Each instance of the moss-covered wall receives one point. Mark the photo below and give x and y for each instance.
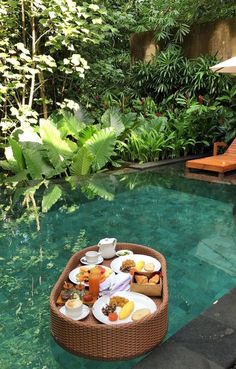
(216, 38)
(143, 46)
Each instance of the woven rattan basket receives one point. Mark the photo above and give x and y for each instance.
(92, 339)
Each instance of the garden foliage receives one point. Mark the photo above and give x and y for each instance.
(71, 104)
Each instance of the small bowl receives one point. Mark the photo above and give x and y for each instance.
(124, 253)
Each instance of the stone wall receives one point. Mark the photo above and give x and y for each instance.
(215, 38)
(142, 46)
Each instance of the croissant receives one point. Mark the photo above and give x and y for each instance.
(141, 279)
(155, 279)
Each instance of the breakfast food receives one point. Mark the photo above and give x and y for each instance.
(85, 271)
(87, 297)
(108, 308)
(141, 279)
(139, 265)
(140, 314)
(149, 267)
(126, 310)
(123, 252)
(155, 279)
(118, 301)
(127, 265)
(113, 316)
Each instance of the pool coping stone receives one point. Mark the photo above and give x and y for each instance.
(207, 342)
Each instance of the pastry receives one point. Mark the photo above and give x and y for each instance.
(149, 267)
(140, 314)
(141, 279)
(155, 279)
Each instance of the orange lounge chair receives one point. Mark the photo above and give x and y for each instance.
(216, 163)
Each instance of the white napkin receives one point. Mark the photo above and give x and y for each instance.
(120, 283)
(107, 283)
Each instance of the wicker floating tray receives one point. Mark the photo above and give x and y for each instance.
(92, 339)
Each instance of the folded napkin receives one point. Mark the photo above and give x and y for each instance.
(120, 282)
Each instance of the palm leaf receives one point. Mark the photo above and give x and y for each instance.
(50, 197)
(82, 162)
(101, 146)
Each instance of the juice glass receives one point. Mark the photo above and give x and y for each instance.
(94, 281)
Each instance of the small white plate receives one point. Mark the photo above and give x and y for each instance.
(124, 253)
(85, 312)
(85, 262)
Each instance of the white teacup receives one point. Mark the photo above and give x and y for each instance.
(73, 307)
(92, 257)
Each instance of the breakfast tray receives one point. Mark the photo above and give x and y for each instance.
(92, 339)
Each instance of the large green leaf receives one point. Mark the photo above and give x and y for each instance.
(11, 163)
(17, 153)
(59, 150)
(68, 124)
(19, 177)
(86, 134)
(51, 195)
(82, 162)
(37, 165)
(113, 118)
(101, 146)
(4, 164)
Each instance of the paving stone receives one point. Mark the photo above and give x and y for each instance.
(224, 311)
(207, 342)
(209, 338)
(172, 355)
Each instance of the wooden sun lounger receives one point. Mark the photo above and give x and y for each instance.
(216, 163)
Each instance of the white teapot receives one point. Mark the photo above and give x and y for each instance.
(107, 247)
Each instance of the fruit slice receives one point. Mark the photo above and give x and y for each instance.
(139, 265)
(126, 310)
(113, 316)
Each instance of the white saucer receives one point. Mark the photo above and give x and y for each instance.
(84, 261)
(85, 312)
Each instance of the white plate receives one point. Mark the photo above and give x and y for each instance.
(124, 253)
(74, 272)
(85, 312)
(85, 262)
(116, 263)
(140, 302)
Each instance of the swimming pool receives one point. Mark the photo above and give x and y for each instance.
(191, 222)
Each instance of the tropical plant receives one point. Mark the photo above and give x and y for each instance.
(171, 74)
(147, 142)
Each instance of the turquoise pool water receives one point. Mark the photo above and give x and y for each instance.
(192, 223)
